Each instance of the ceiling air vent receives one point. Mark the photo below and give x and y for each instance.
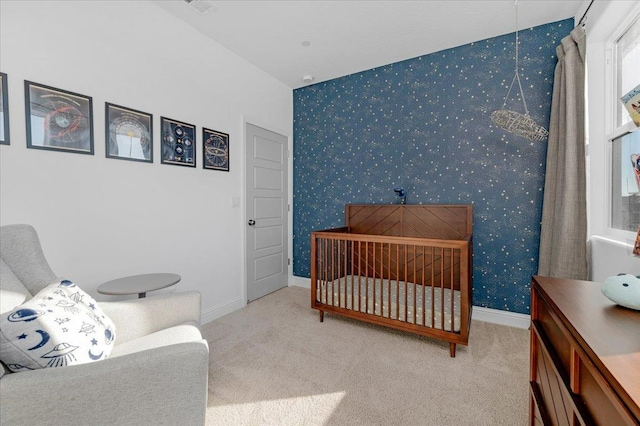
(202, 6)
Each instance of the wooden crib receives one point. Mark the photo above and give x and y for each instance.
(402, 266)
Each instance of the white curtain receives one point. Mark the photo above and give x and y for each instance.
(563, 236)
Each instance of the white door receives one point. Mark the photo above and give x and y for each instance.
(266, 181)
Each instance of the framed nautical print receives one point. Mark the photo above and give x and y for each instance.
(215, 150)
(178, 142)
(58, 120)
(129, 133)
(4, 110)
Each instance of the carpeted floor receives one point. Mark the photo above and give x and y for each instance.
(274, 363)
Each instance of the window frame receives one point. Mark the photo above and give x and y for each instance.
(612, 130)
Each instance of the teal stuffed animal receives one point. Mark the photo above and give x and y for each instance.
(624, 289)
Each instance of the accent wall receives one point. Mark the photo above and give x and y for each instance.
(423, 124)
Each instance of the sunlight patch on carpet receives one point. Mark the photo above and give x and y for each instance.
(302, 409)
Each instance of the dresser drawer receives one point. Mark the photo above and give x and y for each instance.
(538, 411)
(553, 382)
(567, 385)
(556, 334)
(604, 406)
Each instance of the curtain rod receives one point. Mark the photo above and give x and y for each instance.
(584, 16)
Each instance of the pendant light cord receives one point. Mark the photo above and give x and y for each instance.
(517, 75)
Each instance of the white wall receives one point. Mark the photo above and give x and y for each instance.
(610, 249)
(100, 218)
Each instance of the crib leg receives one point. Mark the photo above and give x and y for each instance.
(321, 316)
(452, 350)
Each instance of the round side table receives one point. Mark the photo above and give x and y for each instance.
(138, 284)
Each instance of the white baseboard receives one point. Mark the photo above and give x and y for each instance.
(221, 310)
(300, 282)
(495, 316)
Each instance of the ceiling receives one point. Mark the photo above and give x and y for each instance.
(330, 39)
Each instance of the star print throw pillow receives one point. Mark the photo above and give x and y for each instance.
(61, 325)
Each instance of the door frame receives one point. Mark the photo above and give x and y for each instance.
(248, 119)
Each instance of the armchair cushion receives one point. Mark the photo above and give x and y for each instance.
(62, 325)
(184, 333)
(166, 386)
(137, 318)
(13, 292)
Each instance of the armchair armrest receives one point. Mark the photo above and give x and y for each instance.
(114, 391)
(140, 317)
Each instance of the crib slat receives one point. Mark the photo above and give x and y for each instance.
(451, 294)
(322, 266)
(325, 271)
(336, 275)
(441, 288)
(344, 271)
(378, 296)
(447, 269)
(415, 297)
(327, 266)
(314, 271)
(342, 258)
(424, 301)
(353, 306)
(450, 319)
(366, 282)
(389, 285)
(404, 280)
(433, 288)
(333, 272)
(397, 281)
(375, 249)
(359, 273)
(343, 276)
(317, 264)
(338, 278)
(377, 276)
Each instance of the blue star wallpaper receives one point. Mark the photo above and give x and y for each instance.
(424, 125)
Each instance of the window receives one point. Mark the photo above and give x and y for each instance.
(627, 67)
(625, 180)
(625, 139)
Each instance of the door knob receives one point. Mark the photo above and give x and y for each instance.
(251, 222)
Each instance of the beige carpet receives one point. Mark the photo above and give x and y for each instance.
(274, 363)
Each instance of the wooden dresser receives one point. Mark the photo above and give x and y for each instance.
(585, 356)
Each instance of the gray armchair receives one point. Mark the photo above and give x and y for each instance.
(156, 373)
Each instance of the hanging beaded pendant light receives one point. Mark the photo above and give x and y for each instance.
(513, 121)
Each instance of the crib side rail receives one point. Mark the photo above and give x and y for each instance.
(357, 275)
(345, 234)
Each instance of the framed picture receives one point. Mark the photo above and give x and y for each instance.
(178, 142)
(215, 150)
(129, 133)
(4, 110)
(58, 120)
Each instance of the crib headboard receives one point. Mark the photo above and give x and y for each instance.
(449, 222)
